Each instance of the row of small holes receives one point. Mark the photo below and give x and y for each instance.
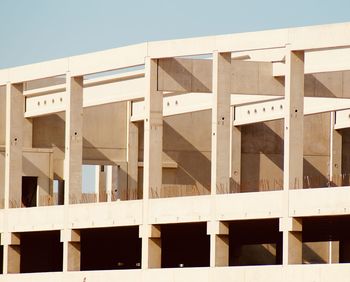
(264, 109)
(52, 101)
(168, 103)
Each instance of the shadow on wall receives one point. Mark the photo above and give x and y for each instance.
(270, 145)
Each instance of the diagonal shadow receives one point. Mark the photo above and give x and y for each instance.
(313, 178)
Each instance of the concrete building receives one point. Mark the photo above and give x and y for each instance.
(221, 158)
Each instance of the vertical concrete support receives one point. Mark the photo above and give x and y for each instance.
(220, 142)
(112, 183)
(293, 150)
(12, 252)
(335, 163)
(71, 249)
(132, 155)
(14, 145)
(219, 243)
(294, 121)
(73, 139)
(152, 170)
(292, 240)
(100, 183)
(236, 141)
(28, 133)
(153, 133)
(152, 234)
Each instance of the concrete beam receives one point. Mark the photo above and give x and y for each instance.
(195, 75)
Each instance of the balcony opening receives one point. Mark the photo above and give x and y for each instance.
(41, 251)
(326, 239)
(110, 248)
(185, 245)
(29, 191)
(255, 242)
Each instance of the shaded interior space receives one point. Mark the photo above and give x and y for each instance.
(1, 259)
(326, 239)
(29, 191)
(345, 166)
(263, 153)
(110, 248)
(255, 242)
(185, 245)
(41, 252)
(186, 155)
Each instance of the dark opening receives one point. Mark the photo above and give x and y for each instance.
(110, 248)
(324, 230)
(255, 242)
(29, 189)
(1, 259)
(41, 251)
(185, 245)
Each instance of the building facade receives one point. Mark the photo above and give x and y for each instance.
(221, 158)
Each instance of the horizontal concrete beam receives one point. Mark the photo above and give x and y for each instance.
(195, 75)
(248, 108)
(304, 38)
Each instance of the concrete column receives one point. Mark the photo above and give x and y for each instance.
(151, 234)
(293, 150)
(14, 145)
(236, 141)
(73, 139)
(294, 121)
(335, 163)
(219, 243)
(71, 249)
(152, 170)
(100, 183)
(220, 144)
(12, 252)
(132, 156)
(112, 183)
(292, 240)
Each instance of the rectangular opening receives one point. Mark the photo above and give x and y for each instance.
(110, 248)
(41, 251)
(255, 242)
(29, 191)
(185, 245)
(326, 239)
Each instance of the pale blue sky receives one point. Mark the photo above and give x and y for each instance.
(38, 30)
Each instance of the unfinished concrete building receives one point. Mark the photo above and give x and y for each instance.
(221, 158)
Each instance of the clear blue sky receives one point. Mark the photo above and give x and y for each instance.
(38, 30)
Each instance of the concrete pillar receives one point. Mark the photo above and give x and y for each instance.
(132, 156)
(219, 243)
(151, 234)
(71, 249)
(152, 170)
(236, 141)
(220, 142)
(73, 139)
(292, 240)
(12, 252)
(294, 121)
(112, 183)
(100, 183)
(293, 151)
(14, 145)
(335, 160)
